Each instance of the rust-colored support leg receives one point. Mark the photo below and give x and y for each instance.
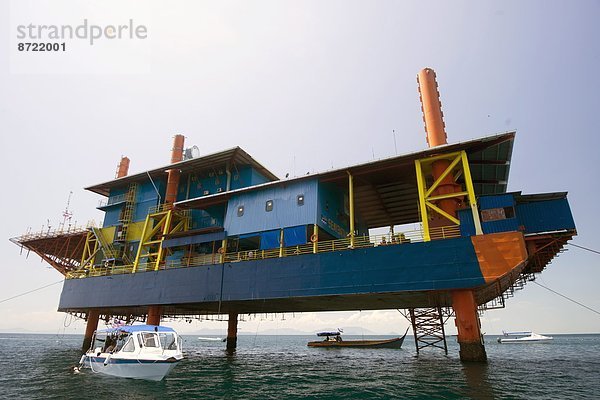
(154, 314)
(469, 328)
(232, 331)
(90, 328)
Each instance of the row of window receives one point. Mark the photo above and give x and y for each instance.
(269, 205)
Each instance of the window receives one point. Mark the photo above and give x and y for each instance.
(300, 199)
(240, 211)
(168, 341)
(269, 205)
(129, 346)
(496, 214)
(150, 340)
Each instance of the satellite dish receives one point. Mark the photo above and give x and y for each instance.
(191, 152)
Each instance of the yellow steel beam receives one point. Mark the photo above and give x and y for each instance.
(443, 176)
(166, 226)
(471, 193)
(446, 196)
(141, 245)
(442, 212)
(446, 156)
(422, 205)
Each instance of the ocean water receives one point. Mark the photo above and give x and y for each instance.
(283, 367)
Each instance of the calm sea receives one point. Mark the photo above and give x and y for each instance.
(283, 367)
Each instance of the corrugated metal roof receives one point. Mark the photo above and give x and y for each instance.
(385, 190)
(234, 155)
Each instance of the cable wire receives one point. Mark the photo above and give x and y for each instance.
(584, 248)
(568, 298)
(31, 291)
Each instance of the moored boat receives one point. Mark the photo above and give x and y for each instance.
(334, 339)
(134, 351)
(523, 337)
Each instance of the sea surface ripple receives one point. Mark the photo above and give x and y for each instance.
(283, 367)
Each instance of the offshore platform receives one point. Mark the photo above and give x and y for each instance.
(220, 234)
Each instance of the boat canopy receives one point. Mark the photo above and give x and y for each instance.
(328, 334)
(136, 328)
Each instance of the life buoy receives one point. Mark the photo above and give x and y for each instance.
(221, 250)
(314, 238)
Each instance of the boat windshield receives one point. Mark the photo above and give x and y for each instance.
(168, 340)
(150, 339)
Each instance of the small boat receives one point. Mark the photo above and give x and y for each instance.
(334, 339)
(134, 351)
(523, 337)
(211, 339)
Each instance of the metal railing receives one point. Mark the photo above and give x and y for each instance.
(396, 239)
(121, 198)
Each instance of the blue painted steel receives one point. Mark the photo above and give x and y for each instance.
(212, 217)
(270, 239)
(436, 265)
(111, 215)
(286, 211)
(333, 210)
(467, 226)
(294, 236)
(184, 241)
(545, 216)
(496, 201)
(147, 198)
(137, 328)
(502, 225)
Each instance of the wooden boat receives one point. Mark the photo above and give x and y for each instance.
(334, 339)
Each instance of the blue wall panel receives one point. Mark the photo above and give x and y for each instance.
(286, 211)
(467, 226)
(499, 201)
(333, 210)
(437, 265)
(545, 216)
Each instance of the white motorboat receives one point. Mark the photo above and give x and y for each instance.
(134, 351)
(523, 337)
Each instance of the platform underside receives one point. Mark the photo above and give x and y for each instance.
(404, 276)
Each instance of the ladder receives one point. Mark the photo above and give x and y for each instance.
(127, 213)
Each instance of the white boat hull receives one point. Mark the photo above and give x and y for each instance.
(532, 338)
(154, 370)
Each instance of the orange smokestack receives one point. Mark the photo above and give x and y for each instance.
(436, 136)
(123, 167)
(173, 178)
(431, 107)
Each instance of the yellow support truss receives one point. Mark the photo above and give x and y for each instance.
(156, 227)
(459, 165)
(90, 249)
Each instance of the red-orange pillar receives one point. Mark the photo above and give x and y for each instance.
(154, 314)
(468, 325)
(174, 174)
(123, 167)
(232, 324)
(463, 301)
(90, 328)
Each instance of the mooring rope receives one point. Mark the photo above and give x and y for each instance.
(568, 298)
(584, 248)
(31, 291)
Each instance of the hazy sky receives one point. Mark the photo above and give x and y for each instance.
(302, 86)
